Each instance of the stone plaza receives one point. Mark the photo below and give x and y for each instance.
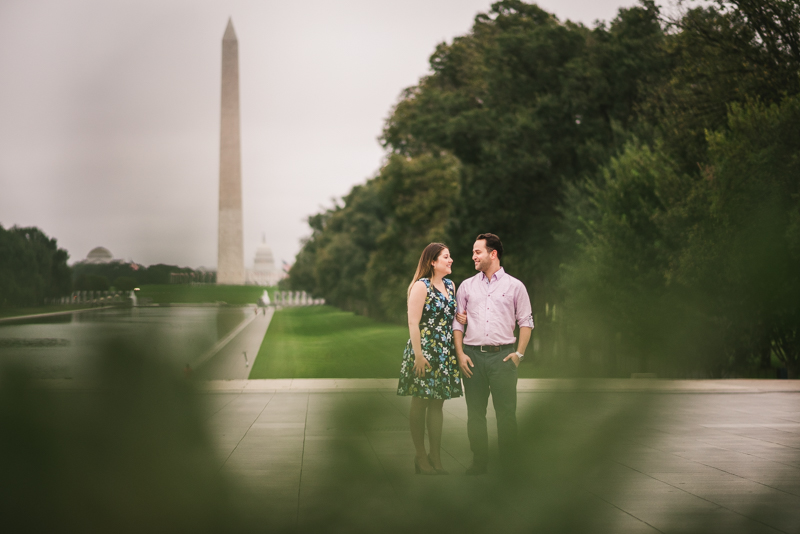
(604, 455)
(709, 456)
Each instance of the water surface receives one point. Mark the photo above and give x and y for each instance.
(64, 346)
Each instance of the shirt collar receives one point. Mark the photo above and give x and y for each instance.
(496, 276)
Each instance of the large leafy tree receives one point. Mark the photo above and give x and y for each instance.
(743, 255)
(685, 250)
(696, 274)
(362, 254)
(643, 172)
(419, 193)
(721, 54)
(32, 268)
(527, 103)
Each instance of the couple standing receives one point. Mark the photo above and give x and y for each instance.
(440, 357)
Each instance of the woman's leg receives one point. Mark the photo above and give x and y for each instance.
(417, 422)
(435, 419)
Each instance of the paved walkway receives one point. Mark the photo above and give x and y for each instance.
(619, 385)
(691, 456)
(226, 360)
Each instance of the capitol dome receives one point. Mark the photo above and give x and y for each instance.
(264, 260)
(264, 272)
(99, 255)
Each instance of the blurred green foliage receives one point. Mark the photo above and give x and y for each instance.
(32, 268)
(159, 273)
(131, 455)
(91, 282)
(125, 283)
(642, 175)
(136, 449)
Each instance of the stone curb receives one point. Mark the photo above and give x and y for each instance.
(525, 385)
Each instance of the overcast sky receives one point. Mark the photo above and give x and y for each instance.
(109, 112)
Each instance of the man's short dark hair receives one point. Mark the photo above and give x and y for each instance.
(492, 243)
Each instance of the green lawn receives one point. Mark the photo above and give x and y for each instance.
(325, 342)
(185, 293)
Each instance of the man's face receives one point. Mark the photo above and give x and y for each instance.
(480, 256)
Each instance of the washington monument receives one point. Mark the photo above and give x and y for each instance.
(230, 252)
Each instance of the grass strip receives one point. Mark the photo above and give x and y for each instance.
(325, 342)
(195, 294)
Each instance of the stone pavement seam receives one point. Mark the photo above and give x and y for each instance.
(717, 446)
(739, 476)
(234, 398)
(749, 453)
(302, 462)
(392, 483)
(244, 434)
(639, 519)
(700, 496)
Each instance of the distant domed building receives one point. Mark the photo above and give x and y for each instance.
(99, 255)
(264, 272)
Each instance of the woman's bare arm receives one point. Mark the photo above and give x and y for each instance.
(416, 303)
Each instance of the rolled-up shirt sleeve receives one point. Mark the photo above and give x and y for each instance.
(461, 302)
(522, 306)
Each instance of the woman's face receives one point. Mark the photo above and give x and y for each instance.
(442, 264)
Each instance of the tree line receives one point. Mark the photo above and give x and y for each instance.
(34, 270)
(643, 175)
(124, 276)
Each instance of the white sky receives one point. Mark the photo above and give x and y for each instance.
(109, 112)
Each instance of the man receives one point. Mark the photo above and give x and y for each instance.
(491, 303)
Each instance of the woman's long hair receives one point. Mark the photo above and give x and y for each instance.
(425, 267)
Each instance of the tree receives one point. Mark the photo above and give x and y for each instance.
(527, 104)
(744, 254)
(511, 112)
(124, 283)
(92, 282)
(32, 268)
(419, 193)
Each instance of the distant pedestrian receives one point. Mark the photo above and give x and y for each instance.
(491, 303)
(429, 372)
(187, 371)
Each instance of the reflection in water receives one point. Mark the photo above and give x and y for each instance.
(49, 319)
(179, 335)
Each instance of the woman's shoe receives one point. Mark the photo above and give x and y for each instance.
(438, 471)
(420, 471)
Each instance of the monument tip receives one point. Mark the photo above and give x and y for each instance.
(230, 34)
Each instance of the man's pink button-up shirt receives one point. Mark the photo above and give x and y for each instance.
(493, 307)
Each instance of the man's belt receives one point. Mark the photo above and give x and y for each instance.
(492, 348)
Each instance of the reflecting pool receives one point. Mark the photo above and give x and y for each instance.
(64, 346)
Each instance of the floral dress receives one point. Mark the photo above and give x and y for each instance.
(443, 379)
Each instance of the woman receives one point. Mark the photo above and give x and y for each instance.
(429, 372)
